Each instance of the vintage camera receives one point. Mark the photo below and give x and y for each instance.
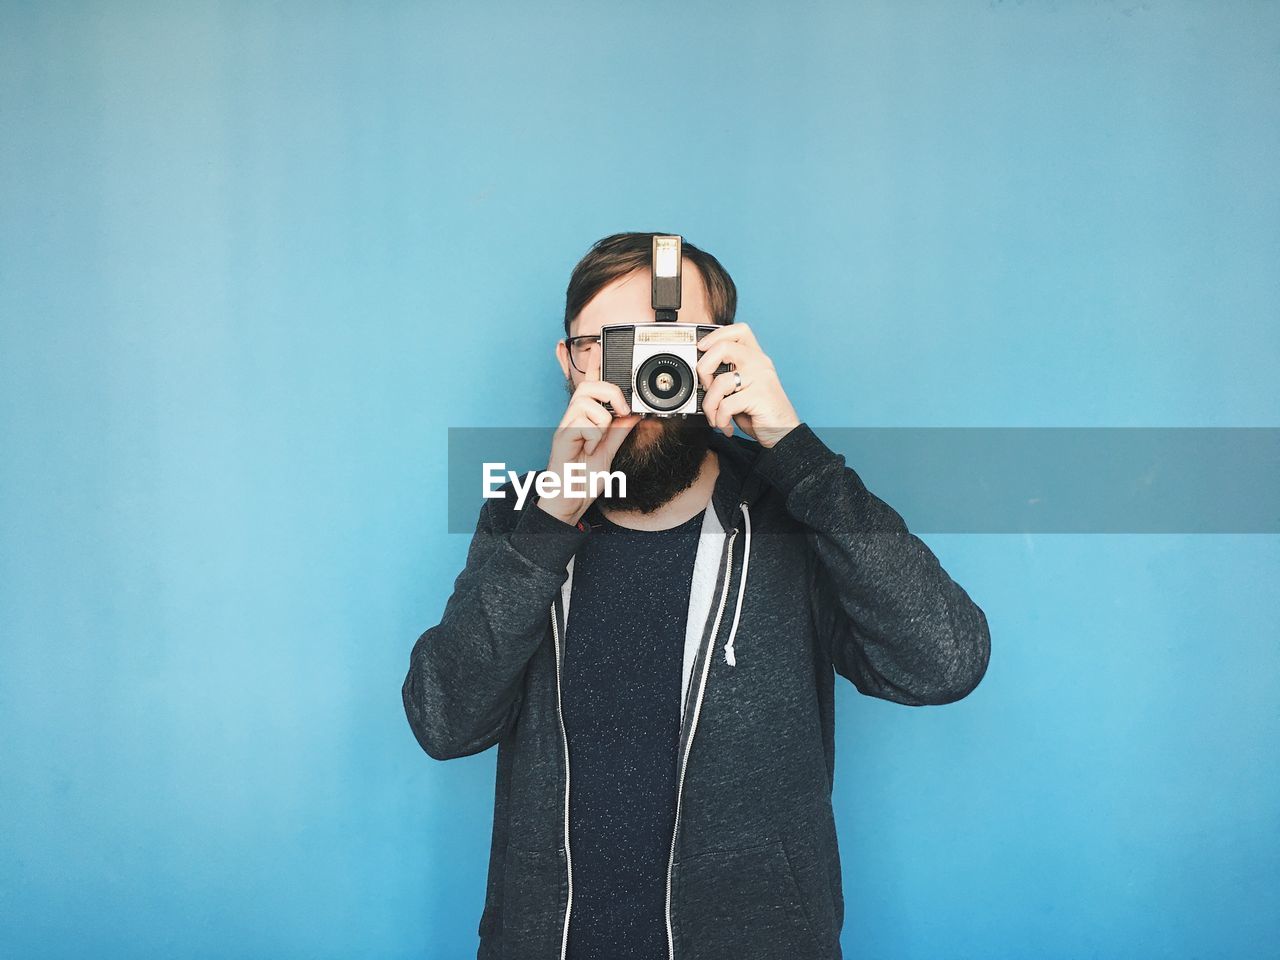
(655, 364)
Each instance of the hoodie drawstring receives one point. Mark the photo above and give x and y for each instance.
(729, 657)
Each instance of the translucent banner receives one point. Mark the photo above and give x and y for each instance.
(996, 479)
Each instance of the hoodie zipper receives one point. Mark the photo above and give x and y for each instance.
(564, 738)
(727, 561)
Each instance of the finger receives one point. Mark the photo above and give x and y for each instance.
(729, 351)
(600, 391)
(723, 386)
(587, 433)
(591, 412)
(617, 400)
(603, 391)
(710, 400)
(585, 394)
(617, 433)
(578, 435)
(567, 445)
(579, 418)
(728, 332)
(733, 404)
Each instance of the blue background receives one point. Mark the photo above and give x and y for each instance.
(257, 258)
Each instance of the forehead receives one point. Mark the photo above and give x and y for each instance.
(629, 299)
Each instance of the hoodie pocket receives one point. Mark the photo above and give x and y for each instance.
(531, 910)
(741, 905)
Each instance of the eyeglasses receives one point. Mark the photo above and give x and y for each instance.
(581, 350)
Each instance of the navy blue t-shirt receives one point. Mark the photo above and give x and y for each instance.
(624, 655)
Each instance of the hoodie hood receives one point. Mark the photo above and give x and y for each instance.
(738, 481)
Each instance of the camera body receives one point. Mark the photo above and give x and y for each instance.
(655, 365)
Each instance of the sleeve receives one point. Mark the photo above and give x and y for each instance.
(464, 686)
(893, 621)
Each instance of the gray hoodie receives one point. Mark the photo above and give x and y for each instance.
(801, 574)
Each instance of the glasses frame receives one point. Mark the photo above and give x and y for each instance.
(569, 341)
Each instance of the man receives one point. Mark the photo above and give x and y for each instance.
(658, 669)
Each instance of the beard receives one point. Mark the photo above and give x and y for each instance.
(659, 463)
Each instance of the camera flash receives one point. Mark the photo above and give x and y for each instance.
(666, 256)
(666, 277)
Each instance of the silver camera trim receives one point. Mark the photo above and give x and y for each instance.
(651, 339)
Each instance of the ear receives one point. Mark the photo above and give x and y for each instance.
(562, 354)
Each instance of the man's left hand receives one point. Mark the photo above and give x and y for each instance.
(759, 406)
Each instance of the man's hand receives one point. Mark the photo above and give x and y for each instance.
(760, 406)
(588, 434)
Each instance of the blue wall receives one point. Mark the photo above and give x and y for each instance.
(256, 259)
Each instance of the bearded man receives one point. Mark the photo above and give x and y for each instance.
(657, 669)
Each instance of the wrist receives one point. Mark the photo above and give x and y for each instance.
(771, 437)
(545, 540)
(566, 511)
(798, 457)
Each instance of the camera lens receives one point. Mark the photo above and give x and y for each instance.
(665, 382)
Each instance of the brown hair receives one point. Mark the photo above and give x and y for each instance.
(623, 253)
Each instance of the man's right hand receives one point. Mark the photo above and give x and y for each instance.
(588, 434)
